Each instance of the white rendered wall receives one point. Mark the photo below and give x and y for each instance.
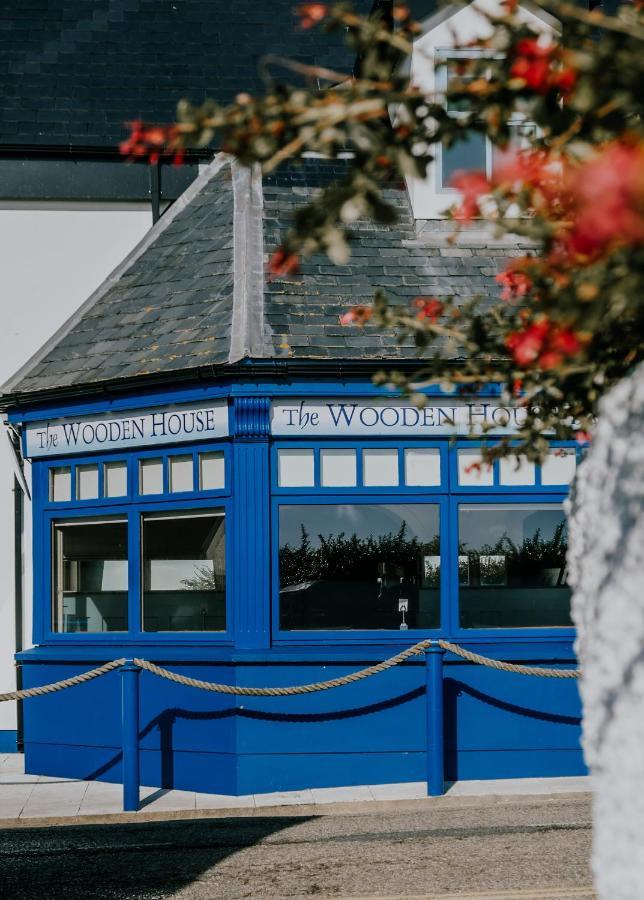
(606, 561)
(53, 256)
(427, 201)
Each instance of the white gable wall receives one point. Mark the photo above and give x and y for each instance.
(464, 25)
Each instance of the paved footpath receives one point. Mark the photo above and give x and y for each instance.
(499, 846)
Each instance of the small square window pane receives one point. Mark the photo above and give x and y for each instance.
(212, 471)
(515, 470)
(472, 471)
(115, 479)
(422, 466)
(181, 474)
(295, 467)
(60, 484)
(465, 155)
(380, 467)
(86, 482)
(338, 468)
(559, 466)
(151, 476)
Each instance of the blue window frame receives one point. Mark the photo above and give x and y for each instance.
(130, 509)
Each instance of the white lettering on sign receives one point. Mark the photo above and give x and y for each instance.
(393, 417)
(172, 425)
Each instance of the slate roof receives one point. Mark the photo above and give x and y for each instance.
(192, 296)
(74, 71)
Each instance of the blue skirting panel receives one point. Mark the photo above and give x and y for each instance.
(8, 740)
(497, 725)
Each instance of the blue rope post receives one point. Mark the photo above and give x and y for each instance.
(130, 735)
(435, 721)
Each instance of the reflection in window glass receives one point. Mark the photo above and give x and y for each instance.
(184, 572)
(463, 156)
(512, 566)
(349, 566)
(90, 576)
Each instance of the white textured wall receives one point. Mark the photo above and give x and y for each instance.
(52, 258)
(607, 572)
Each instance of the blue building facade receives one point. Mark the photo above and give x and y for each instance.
(240, 504)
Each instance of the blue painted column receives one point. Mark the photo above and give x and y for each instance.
(435, 721)
(251, 531)
(130, 735)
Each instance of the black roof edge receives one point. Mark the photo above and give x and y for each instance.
(248, 369)
(79, 151)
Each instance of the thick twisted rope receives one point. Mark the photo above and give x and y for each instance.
(315, 686)
(489, 663)
(65, 683)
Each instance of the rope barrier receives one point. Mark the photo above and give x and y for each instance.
(351, 678)
(65, 683)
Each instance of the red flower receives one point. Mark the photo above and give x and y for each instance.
(538, 66)
(543, 343)
(428, 308)
(282, 263)
(152, 142)
(311, 14)
(515, 284)
(472, 186)
(357, 315)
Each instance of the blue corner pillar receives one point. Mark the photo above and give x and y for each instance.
(435, 721)
(130, 735)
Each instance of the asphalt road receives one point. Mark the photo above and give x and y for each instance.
(518, 849)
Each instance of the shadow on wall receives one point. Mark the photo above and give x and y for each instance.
(146, 861)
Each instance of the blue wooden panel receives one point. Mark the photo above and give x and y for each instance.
(8, 740)
(472, 765)
(69, 761)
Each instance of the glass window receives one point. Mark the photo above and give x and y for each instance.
(90, 575)
(184, 571)
(422, 466)
(151, 476)
(86, 482)
(466, 155)
(115, 479)
(60, 484)
(212, 471)
(296, 467)
(472, 471)
(512, 566)
(559, 466)
(181, 474)
(516, 470)
(359, 566)
(338, 468)
(380, 467)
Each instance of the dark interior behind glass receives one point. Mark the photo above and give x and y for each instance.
(184, 572)
(353, 566)
(512, 566)
(90, 576)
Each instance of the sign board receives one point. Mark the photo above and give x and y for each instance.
(383, 417)
(146, 428)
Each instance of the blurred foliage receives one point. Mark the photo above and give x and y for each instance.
(570, 318)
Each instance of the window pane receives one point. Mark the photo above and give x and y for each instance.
(60, 484)
(464, 155)
(350, 566)
(559, 467)
(90, 576)
(181, 474)
(212, 471)
(422, 466)
(115, 479)
(184, 572)
(338, 468)
(515, 470)
(295, 468)
(380, 467)
(86, 482)
(512, 566)
(472, 470)
(151, 476)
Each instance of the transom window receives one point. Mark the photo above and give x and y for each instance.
(354, 467)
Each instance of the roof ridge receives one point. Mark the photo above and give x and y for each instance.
(200, 182)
